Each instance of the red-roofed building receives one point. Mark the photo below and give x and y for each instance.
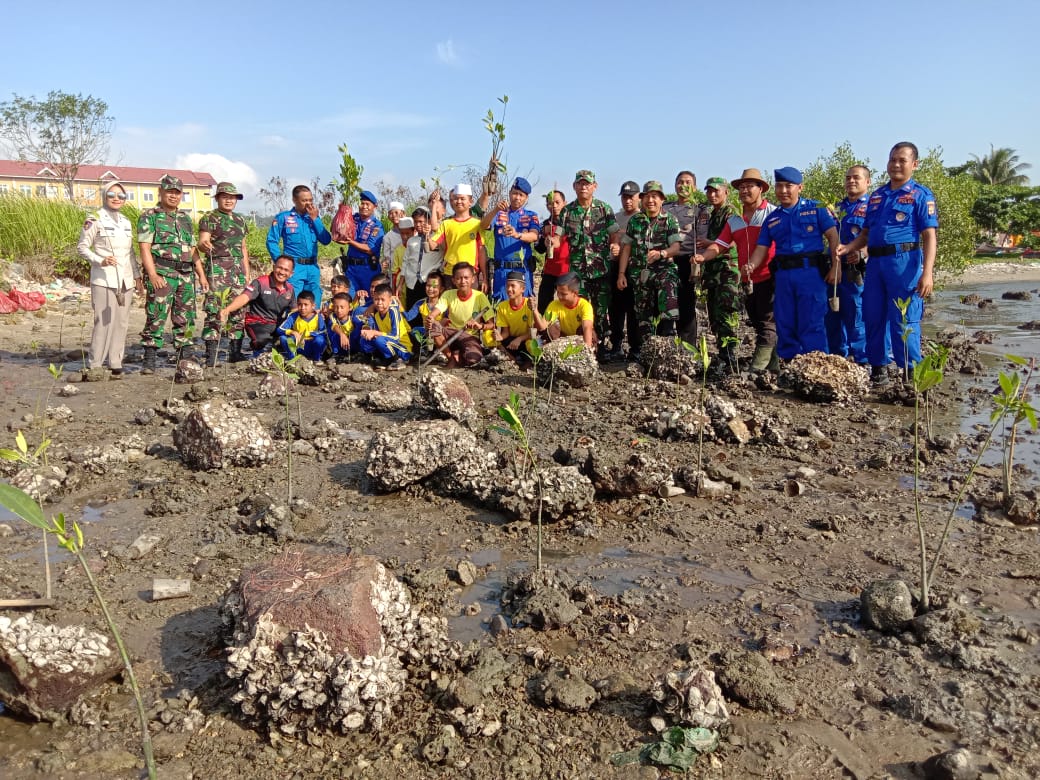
(33, 179)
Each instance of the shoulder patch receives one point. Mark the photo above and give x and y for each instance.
(90, 221)
(931, 208)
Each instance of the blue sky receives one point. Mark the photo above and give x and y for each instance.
(631, 90)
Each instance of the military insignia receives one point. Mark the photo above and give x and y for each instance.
(808, 228)
(900, 217)
(931, 208)
(860, 211)
(88, 223)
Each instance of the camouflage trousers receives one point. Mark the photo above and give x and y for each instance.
(657, 297)
(722, 284)
(178, 304)
(598, 292)
(221, 278)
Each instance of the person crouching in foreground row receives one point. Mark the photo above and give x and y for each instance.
(386, 335)
(270, 298)
(460, 319)
(303, 331)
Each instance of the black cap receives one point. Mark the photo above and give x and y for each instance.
(516, 276)
(629, 188)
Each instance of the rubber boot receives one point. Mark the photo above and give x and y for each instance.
(148, 364)
(236, 355)
(774, 362)
(211, 353)
(760, 360)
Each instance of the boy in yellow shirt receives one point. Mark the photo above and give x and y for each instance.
(338, 326)
(569, 314)
(515, 318)
(467, 310)
(460, 239)
(385, 333)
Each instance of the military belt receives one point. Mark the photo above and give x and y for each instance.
(305, 260)
(174, 265)
(790, 262)
(891, 249)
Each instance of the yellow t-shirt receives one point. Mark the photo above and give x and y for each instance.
(460, 239)
(517, 322)
(570, 319)
(462, 311)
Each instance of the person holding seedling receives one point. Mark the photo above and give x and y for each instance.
(515, 317)
(222, 242)
(516, 229)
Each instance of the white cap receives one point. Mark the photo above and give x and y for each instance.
(406, 222)
(395, 204)
(462, 189)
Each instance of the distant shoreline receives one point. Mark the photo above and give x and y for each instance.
(985, 273)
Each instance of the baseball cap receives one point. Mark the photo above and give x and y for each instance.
(629, 188)
(227, 188)
(716, 183)
(585, 175)
(171, 182)
(653, 186)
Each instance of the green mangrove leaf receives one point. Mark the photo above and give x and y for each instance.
(20, 503)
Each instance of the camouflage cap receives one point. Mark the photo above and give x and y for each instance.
(171, 182)
(585, 175)
(653, 186)
(227, 188)
(716, 183)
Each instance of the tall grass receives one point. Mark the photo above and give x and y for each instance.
(42, 233)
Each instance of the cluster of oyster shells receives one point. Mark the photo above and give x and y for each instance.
(691, 696)
(63, 649)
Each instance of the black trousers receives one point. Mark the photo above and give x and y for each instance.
(687, 301)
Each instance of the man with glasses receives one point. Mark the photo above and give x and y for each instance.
(166, 236)
(589, 225)
(222, 240)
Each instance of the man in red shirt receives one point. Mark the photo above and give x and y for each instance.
(270, 298)
(741, 230)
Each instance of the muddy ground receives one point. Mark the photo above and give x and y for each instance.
(675, 582)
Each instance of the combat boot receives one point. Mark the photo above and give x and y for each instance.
(236, 355)
(760, 360)
(148, 364)
(774, 362)
(211, 353)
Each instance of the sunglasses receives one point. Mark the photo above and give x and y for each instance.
(115, 196)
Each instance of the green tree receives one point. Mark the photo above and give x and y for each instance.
(824, 179)
(1000, 167)
(63, 131)
(1003, 211)
(954, 196)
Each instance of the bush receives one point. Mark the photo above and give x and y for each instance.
(42, 234)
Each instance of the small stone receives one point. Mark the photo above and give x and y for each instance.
(952, 765)
(466, 572)
(499, 625)
(67, 391)
(886, 605)
(143, 545)
(170, 589)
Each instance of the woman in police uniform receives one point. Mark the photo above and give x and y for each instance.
(107, 242)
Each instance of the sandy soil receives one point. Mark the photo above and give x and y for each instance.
(678, 581)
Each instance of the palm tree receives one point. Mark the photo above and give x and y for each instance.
(999, 167)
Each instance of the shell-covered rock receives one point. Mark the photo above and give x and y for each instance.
(691, 696)
(825, 378)
(321, 643)
(567, 361)
(663, 358)
(447, 394)
(564, 491)
(408, 453)
(45, 668)
(216, 434)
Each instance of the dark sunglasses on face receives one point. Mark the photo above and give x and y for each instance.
(115, 196)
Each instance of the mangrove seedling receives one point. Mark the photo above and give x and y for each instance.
(1010, 404)
(510, 415)
(927, 373)
(70, 537)
(286, 369)
(33, 460)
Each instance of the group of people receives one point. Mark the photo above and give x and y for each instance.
(465, 283)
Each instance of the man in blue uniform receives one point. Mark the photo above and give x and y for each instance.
(296, 233)
(801, 266)
(361, 261)
(516, 228)
(900, 236)
(846, 334)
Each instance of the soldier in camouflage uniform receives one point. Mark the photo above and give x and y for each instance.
(167, 239)
(693, 225)
(222, 240)
(588, 224)
(648, 251)
(721, 279)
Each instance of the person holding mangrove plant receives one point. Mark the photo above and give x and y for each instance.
(222, 241)
(107, 243)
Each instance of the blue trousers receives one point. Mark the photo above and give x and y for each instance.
(385, 347)
(307, 277)
(889, 279)
(313, 349)
(360, 277)
(846, 334)
(799, 308)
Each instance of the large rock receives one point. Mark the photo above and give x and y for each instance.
(320, 643)
(564, 491)
(408, 453)
(388, 399)
(662, 358)
(215, 435)
(825, 378)
(44, 669)
(447, 395)
(613, 473)
(886, 605)
(567, 361)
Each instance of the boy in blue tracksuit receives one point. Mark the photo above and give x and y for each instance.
(303, 331)
(385, 335)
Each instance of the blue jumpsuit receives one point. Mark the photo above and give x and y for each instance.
(299, 237)
(846, 333)
(800, 303)
(313, 348)
(512, 254)
(358, 267)
(895, 220)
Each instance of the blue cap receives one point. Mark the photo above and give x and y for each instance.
(788, 174)
(367, 195)
(522, 184)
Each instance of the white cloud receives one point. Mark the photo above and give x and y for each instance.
(446, 52)
(240, 174)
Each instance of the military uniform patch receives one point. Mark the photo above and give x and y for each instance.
(931, 208)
